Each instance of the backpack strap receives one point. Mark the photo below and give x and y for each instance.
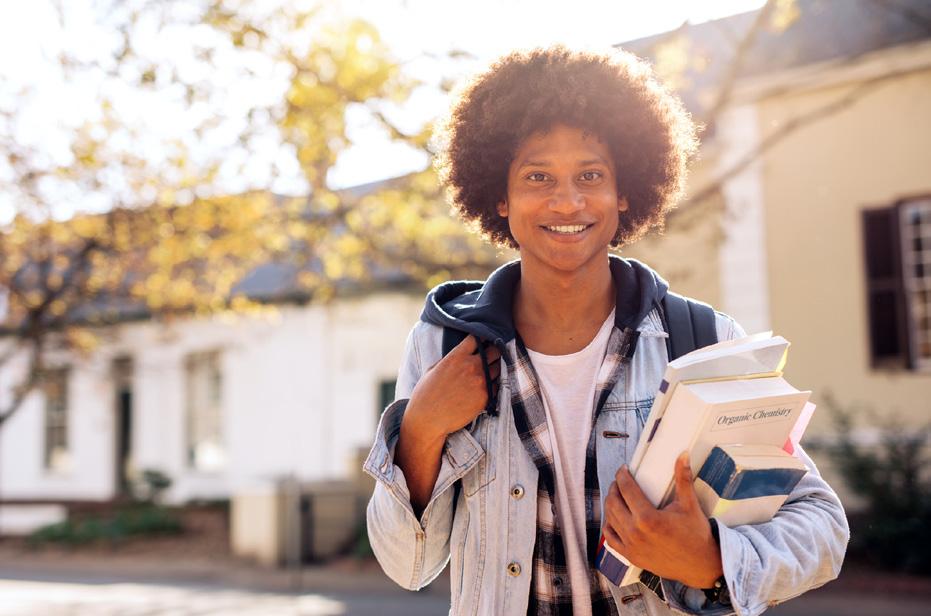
(689, 323)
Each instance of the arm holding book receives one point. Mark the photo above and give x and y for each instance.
(801, 548)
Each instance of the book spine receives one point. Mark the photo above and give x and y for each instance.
(718, 470)
(663, 394)
(764, 482)
(656, 472)
(610, 563)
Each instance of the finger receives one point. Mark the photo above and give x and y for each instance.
(685, 489)
(613, 539)
(633, 496)
(492, 354)
(494, 370)
(616, 510)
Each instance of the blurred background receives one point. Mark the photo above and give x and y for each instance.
(218, 220)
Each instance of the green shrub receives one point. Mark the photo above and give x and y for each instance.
(138, 521)
(891, 477)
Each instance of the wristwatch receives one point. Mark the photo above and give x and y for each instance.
(718, 593)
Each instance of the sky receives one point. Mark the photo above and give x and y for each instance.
(486, 29)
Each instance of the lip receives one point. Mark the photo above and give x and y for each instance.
(568, 237)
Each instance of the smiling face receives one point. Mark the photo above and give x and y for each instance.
(562, 202)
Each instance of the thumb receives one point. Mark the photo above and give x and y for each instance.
(685, 491)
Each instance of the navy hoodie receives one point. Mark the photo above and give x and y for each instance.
(485, 309)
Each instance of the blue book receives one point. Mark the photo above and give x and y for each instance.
(746, 484)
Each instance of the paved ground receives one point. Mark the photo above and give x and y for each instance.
(95, 588)
(48, 598)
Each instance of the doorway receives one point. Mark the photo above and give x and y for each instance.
(123, 425)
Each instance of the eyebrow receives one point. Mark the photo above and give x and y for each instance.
(544, 163)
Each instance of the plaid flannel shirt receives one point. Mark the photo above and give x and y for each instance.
(551, 591)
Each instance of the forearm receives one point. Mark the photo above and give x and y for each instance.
(418, 455)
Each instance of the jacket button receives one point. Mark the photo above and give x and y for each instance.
(513, 569)
(517, 491)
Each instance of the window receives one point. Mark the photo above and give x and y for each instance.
(55, 388)
(203, 393)
(385, 396)
(897, 243)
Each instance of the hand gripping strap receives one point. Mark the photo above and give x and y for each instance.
(451, 338)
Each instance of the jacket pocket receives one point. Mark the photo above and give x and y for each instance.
(482, 473)
(618, 429)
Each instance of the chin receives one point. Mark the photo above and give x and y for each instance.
(572, 263)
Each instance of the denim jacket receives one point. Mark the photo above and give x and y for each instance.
(488, 533)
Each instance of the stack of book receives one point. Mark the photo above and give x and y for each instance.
(729, 407)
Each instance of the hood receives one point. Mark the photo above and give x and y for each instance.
(484, 309)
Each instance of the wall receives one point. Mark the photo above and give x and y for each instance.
(817, 181)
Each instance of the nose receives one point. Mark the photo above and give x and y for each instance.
(567, 198)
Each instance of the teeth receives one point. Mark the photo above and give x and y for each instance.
(567, 228)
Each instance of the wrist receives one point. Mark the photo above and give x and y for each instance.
(716, 573)
(417, 428)
(710, 577)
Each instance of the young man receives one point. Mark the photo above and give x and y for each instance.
(512, 468)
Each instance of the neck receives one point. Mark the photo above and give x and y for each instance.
(556, 300)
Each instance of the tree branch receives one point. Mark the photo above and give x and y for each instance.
(790, 127)
(32, 379)
(733, 70)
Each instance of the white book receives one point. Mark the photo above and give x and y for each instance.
(757, 411)
(758, 354)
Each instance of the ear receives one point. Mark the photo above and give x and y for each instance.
(622, 205)
(503, 208)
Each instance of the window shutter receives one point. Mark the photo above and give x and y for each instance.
(385, 395)
(885, 292)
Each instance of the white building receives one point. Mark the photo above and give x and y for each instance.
(218, 405)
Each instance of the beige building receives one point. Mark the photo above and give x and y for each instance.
(825, 237)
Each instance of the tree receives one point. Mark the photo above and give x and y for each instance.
(123, 214)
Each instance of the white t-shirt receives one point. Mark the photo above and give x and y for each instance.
(567, 383)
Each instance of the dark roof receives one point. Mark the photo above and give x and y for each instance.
(825, 30)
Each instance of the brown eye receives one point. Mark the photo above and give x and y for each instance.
(591, 176)
(537, 177)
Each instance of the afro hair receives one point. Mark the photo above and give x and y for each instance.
(613, 96)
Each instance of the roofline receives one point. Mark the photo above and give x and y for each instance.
(410, 287)
(891, 61)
